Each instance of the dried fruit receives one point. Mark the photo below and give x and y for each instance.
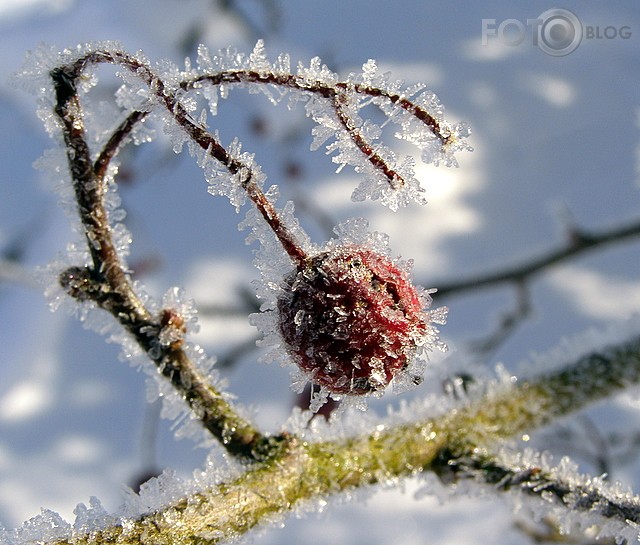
(351, 319)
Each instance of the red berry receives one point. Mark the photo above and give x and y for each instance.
(351, 319)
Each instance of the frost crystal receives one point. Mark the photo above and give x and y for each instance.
(46, 527)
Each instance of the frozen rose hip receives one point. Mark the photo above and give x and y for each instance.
(351, 319)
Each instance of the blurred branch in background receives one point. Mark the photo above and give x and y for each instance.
(258, 18)
(579, 241)
(13, 253)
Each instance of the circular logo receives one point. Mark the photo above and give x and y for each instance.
(559, 32)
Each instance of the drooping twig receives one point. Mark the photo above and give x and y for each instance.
(339, 95)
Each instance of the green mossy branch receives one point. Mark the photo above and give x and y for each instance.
(305, 471)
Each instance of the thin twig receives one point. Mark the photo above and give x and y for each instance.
(107, 281)
(537, 481)
(338, 95)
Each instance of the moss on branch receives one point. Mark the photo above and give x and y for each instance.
(305, 471)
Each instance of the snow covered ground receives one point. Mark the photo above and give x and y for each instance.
(557, 143)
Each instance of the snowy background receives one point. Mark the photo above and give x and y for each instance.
(556, 144)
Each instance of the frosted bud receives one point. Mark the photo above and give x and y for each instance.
(352, 320)
(173, 329)
(79, 283)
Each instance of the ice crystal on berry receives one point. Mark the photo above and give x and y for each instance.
(350, 318)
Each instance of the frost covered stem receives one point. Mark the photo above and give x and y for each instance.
(304, 470)
(339, 96)
(116, 140)
(539, 482)
(539, 401)
(334, 93)
(107, 283)
(205, 140)
(89, 190)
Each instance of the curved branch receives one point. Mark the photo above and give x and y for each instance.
(335, 93)
(65, 78)
(107, 282)
(338, 95)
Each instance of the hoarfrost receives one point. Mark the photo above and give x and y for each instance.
(270, 258)
(92, 518)
(273, 264)
(204, 61)
(318, 399)
(47, 526)
(576, 501)
(180, 316)
(317, 72)
(535, 482)
(258, 59)
(55, 169)
(356, 140)
(156, 493)
(233, 186)
(133, 94)
(34, 77)
(339, 120)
